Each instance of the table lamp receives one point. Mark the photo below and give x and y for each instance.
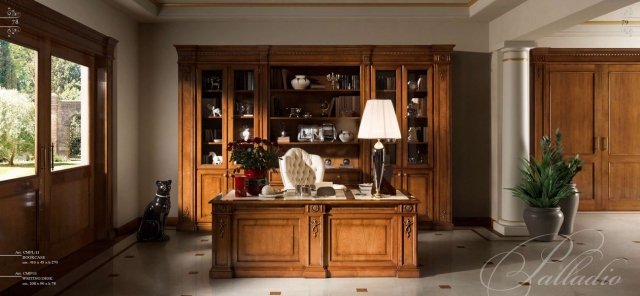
(378, 122)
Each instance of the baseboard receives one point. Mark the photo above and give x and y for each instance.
(129, 227)
(485, 222)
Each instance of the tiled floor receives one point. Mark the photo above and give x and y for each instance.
(601, 259)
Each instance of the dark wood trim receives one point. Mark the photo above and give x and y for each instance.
(40, 20)
(129, 227)
(587, 55)
(485, 222)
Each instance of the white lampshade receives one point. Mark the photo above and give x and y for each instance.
(379, 121)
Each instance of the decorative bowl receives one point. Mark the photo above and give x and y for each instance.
(365, 187)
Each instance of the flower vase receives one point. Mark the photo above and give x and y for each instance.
(300, 82)
(255, 180)
(346, 136)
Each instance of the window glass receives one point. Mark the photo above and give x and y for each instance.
(69, 114)
(17, 110)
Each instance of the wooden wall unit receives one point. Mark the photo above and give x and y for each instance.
(421, 166)
(591, 95)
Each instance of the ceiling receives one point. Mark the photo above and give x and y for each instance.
(622, 22)
(171, 10)
(453, 10)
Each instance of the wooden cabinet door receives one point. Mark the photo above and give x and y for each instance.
(571, 104)
(620, 142)
(211, 183)
(419, 183)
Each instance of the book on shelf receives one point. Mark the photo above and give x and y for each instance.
(249, 80)
(347, 106)
(331, 104)
(285, 80)
(350, 82)
(208, 136)
(273, 78)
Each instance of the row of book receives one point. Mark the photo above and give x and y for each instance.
(279, 79)
(345, 106)
(244, 80)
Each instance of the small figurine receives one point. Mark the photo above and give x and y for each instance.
(215, 111)
(245, 134)
(324, 108)
(214, 83)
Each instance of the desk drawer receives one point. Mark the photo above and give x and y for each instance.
(343, 177)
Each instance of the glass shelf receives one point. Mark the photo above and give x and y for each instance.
(318, 143)
(314, 118)
(336, 91)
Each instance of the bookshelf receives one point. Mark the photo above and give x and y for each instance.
(251, 86)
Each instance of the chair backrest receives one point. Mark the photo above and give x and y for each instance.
(297, 167)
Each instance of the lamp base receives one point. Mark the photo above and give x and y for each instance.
(377, 159)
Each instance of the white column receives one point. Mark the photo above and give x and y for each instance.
(510, 133)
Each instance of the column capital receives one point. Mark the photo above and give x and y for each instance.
(514, 44)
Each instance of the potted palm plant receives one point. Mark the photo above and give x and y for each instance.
(544, 184)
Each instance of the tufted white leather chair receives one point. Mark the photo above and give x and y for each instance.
(297, 167)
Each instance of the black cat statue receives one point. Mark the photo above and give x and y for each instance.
(155, 215)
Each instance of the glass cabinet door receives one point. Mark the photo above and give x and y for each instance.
(210, 120)
(417, 124)
(386, 86)
(243, 105)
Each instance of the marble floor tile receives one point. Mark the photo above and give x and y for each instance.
(600, 258)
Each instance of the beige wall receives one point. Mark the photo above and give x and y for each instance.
(159, 71)
(109, 21)
(146, 138)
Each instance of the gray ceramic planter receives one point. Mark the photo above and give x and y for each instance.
(569, 207)
(543, 224)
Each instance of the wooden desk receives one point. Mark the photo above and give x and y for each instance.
(314, 238)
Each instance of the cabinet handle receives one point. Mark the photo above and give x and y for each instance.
(224, 175)
(605, 143)
(399, 175)
(338, 177)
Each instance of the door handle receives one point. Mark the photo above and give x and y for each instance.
(43, 156)
(605, 143)
(51, 147)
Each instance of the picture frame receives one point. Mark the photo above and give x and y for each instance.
(308, 133)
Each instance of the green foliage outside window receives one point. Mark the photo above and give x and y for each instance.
(18, 68)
